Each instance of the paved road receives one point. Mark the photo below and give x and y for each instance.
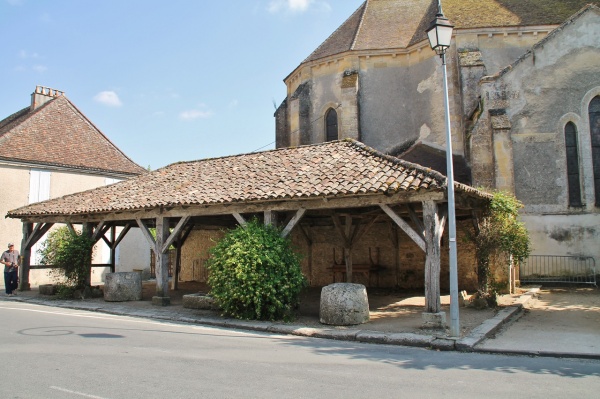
(62, 353)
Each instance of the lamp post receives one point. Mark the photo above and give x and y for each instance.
(440, 35)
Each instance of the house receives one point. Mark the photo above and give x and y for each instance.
(49, 149)
(524, 88)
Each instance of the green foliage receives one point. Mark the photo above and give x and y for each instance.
(70, 253)
(499, 232)
(255, 274)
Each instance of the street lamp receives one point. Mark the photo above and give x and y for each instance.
(440, 35)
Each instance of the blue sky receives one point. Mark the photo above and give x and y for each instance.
(166, 81)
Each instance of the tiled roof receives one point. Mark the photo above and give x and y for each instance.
(58, 134)
(333, 169)
(393, 24)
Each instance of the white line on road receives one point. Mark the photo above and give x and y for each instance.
(77, 393)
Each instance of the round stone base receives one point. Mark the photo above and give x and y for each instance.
(344, 304)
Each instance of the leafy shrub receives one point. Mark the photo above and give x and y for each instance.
(499, 232)
(255, 274)
(70, 253)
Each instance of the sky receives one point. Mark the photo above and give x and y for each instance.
(165, 81)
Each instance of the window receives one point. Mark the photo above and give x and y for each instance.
(331, 125)
(594, 113)
(572, 165)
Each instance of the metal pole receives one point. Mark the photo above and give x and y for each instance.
(454, 320)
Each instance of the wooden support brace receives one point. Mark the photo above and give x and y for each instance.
(404, 226)
(292, 223)
(240, 219)
(174, 233)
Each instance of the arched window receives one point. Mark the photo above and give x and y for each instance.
(331, 125)
(572, 164)
(594, 113)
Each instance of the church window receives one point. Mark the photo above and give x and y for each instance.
(594, 113)
(331, 125)
(574, 184)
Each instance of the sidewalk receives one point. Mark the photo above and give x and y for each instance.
(396, 320)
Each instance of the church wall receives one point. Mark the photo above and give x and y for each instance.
(527, 107)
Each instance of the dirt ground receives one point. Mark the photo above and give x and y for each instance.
(390, 310)
(567, 308)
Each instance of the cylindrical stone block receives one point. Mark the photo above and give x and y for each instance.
(344, 304)
(123, 286)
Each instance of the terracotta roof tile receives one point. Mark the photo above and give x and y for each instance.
(338, 168)
(58, 134)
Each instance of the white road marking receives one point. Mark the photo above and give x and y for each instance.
(77, 393)
(125, 318)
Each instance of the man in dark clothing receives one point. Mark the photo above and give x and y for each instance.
(10, 259)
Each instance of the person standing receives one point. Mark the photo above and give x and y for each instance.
(10, 259)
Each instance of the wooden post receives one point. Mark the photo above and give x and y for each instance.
(348, 249)
(25, 258)
(113, 249)
(87, 229)
(175, 279)
(162, 263)
(434, 226)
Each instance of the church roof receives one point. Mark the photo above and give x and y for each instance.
(393, 24)
(58, 134)
(334, 169)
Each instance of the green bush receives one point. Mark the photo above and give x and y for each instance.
(255, 274)
(71, 254)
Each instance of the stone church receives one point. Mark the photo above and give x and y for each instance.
(524, 87)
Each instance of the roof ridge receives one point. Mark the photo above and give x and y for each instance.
(87, 120)
(434, 174)
(362, 6)
(362, 18)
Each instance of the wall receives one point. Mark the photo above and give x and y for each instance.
(133, 249)
(525, 111)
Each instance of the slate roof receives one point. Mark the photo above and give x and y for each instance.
(393, 24)
(58, 134)
(332, 169)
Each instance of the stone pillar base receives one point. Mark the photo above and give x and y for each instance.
(47, 289)
(161, 300)
(344, 304)
(434, 320)
(124, 286)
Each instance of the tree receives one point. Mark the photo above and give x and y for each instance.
(71, 253)
(499, 232)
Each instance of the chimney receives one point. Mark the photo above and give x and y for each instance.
(42, 95)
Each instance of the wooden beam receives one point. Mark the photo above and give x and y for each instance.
(100, 230)
(247, 207)
(268, 216)
(405, 227)
(182, 222)
(162, 261)
(433, 258)
(146, 233)
(38, 232)
(299, 213)
(415, 219)
(122, 234)
(240, 219)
